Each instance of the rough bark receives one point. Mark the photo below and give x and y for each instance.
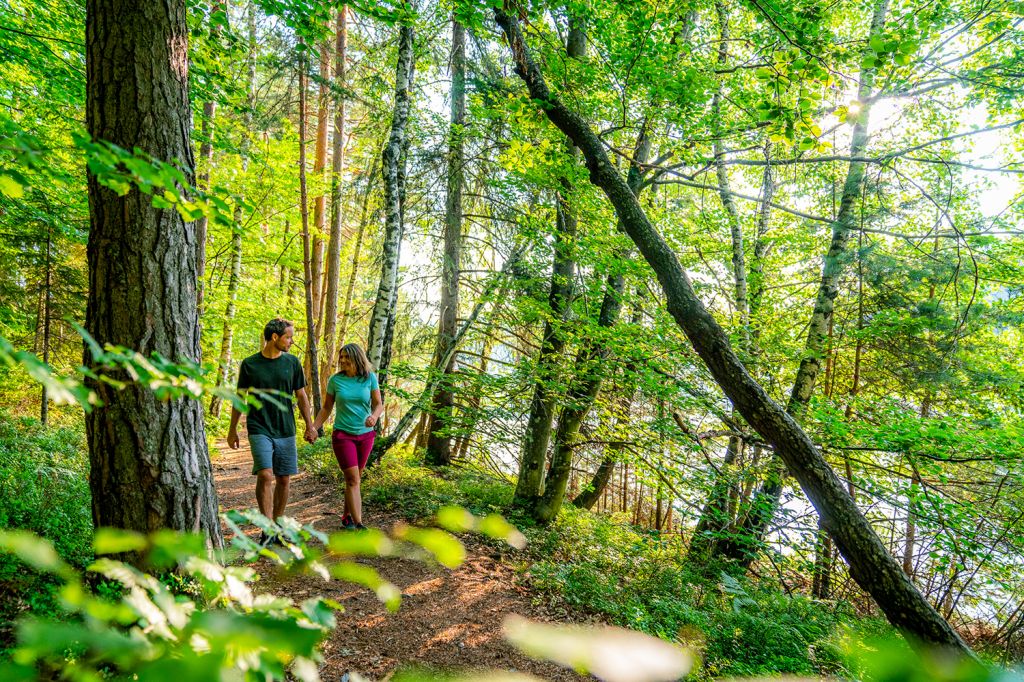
(870, 563)
(330, 318)
(439, 450)
(390, 163)
(149, 464)
(530, 482)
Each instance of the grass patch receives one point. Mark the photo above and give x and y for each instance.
(44, 473)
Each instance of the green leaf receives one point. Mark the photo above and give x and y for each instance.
(610, 654)
(370, 542)
(117, 541)
(35, 551)
(495, 526)
(455, 519)
(11, 187)
(446, 549)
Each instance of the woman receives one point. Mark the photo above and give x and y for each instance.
(355, 390)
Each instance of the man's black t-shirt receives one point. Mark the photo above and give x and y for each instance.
(284, 374)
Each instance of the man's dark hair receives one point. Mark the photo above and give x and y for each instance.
(276, 326)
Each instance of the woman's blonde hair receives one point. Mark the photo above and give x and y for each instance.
(357, 355)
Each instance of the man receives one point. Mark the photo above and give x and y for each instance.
(273, 374)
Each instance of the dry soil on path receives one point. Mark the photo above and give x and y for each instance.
(449, 619)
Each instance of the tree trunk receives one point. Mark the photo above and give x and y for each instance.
(227, 333)
(766, 501)
(307, 252)
(149, 464)
(530, 482)
(323, 120)
(330, 318)
(871, 565)
(346, 312)
(438, 442)
(203, 184)
(391, 161)
(44, 399)
(591, 358)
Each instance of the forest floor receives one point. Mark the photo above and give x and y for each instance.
(449, 620)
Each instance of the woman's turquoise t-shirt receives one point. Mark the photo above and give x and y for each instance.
(352, 402)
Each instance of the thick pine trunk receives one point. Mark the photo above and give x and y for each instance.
(871, 565)
(391, 161)
(330, 318)
(149, 464)
(439, 449)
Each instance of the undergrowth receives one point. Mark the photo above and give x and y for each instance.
(597, 565)
(44, 478)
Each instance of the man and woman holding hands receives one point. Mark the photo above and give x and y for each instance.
(278, 375)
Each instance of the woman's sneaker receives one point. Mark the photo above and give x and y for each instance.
(358, 526)
(346, 522)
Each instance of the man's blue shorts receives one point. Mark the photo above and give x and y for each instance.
(278, 454)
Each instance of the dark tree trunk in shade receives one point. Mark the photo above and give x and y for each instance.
(439, 443)
(871, 565)
(312, 357)
(149, 464)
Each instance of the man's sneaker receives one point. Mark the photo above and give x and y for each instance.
(264, 539)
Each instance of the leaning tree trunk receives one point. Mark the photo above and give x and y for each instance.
(750, 534)
(871, 565)
(391, 161)
(323, 120)
(439, 450)
(330, 319)
(530, 481)
(149, 464)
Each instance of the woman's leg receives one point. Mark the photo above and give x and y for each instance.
(364, 446)
(348, 457)
(353, 496)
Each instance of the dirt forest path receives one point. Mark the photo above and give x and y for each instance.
(449, 619)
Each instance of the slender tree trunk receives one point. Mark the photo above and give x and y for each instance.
(323, 121)
(307, 251)
(870, 563)
(44, 400)
(330, 319)
(203, 181)
(530, 482)
(346, 312)
(228, 332)
(149, 464)
(590, 360)
(391, 161)
(766, 501)
(439, 442)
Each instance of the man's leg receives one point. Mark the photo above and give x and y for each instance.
(262, 448)
(280, 495)
(286, 465)
(264, 477)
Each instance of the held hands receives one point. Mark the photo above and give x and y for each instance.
(371, 421)
(311, 433)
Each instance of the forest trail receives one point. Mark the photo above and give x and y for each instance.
(449, 619)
